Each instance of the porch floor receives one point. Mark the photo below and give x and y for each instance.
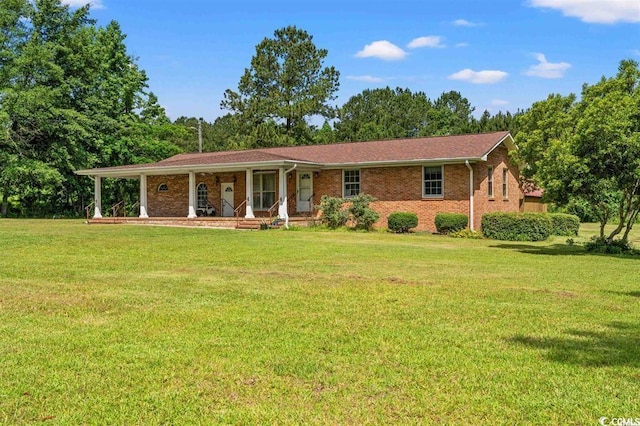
(204, 221)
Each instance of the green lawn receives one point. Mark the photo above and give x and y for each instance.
(120, 324)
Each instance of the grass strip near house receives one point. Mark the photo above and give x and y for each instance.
(151, 325)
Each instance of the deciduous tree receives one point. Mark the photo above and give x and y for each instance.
(589, 149)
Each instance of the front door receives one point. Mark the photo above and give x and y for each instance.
(305, 192)
(227, 199)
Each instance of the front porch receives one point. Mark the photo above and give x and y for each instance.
(213, 197)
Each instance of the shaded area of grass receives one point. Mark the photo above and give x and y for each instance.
(546, 249)
(123, 324)
(617, 344)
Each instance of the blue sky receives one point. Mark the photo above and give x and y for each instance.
(500, 54)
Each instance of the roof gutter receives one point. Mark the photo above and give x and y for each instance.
(470, 194)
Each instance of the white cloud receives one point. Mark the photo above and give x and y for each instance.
(479, 77)
(595, 11)
(499, 102)
(366, 78)
(430, 41)
(465, 44)
(95, 4)
(382, 49)
(547, 69)
(465, 23)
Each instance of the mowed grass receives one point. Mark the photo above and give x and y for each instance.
(150, 325)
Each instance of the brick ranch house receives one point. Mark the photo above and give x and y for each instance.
(469, 174)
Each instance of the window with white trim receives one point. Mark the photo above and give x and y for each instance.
(505, 185)
(264, 190)
(203, 195)
(490, 181)
(433, 181)
(163, 187)
(350, 183)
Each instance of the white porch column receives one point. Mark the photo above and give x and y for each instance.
(471, 213)
(282, 206)
(249, 192)
(192, 196)
(143, 197)
(97, 198)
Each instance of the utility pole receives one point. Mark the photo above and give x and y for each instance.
(200, 135)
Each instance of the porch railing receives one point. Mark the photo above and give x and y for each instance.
(312, 206)
(218, 212)
(133, 208)
(88, 209)
(204, 211)
(115, 209)
(224, 202)
(271, 210)
(291, 202)
(236, 211)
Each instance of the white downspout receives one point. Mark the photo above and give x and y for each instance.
(470, 193)
(286, 203)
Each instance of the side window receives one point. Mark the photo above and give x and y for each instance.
(351, 183)
(490, 181)
(505, 183)
(433, 182)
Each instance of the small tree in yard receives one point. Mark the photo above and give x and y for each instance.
(589, 150)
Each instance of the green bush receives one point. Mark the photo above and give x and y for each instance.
(617, 246)
(467, 233)
(401, 222)
(333, 214)
(447, 223)
(517, 226)
(564, 224)
(362, 215)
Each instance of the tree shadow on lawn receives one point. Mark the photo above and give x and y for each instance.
(619, 345)
(625, 293)
(558, 250)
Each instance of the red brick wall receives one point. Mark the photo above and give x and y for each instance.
(400, 189)
(175, 202)
(172, 203)
(499, 159)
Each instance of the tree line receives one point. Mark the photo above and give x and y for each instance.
(71, 97)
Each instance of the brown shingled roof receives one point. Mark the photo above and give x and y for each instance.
(441, 148)
(434, 148)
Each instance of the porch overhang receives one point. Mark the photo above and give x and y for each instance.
(134, 172)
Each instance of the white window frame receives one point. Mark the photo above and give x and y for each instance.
(505, 183)
(258, 187)
(424, 181)
(490, 188)
(345, 183)
(200, 203)
(163, 187)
